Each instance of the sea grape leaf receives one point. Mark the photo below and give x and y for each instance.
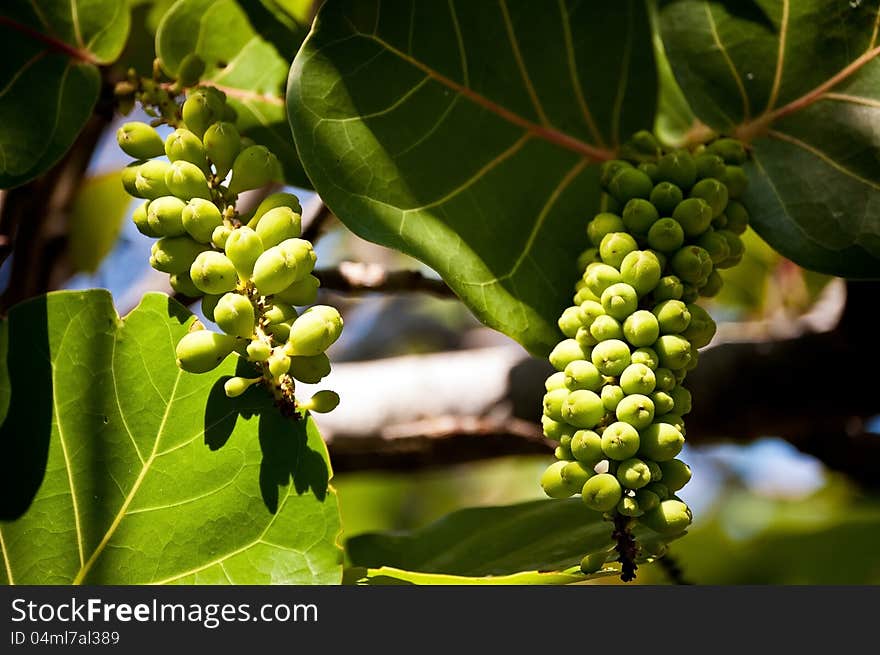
(542, 535)
(465, 134)
(241, 63)
(119, 468)
(800, 82)
(49, 77)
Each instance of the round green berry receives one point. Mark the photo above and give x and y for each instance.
(586, 447)
(633, 473)
(555, 381)
(576, 474)
(603, 224)
(200, 218)
(571, 320)
(609, 169)
(730, 150)
(566, 352)
(581, 374)
(641, 328)
(677, 167)
(310, 370)
(553, 483)
(701, 328)
(709, 165)
(660, 442)
(673, 350)
(611, 357)
(665, 196)
(586, 340)
(605, 327)
(663, 402)
(300, 293)
(638, 216)
(244, 247)
(222, 144)
(691, 264)
(277, 225)
(164, 216)
(668, 288)
(314, 331)
(712, 286)
(213, 272)
(694, 215)
(676, 474)
(672, 316)
(593, 562)
(636, 409)
(629, 183)
(183, 145)
(139, 140)
(187, 181)
(599, 277)
(637, 379)
(670, 517)
(681, 397)
(646, 356)
(713, 192)
(255, 166)
(583, 409)
(716, 245)
(737, 217)
(735, 180)
(620, 441)
(149, 179)
(656, 471)
(611, 395)
(258, 351)
(174, 254)
(203, 350)
(647, 499)
(601, 492)
(234, 314)
(555, 430)
(665, 379)
(620, 300)
(615, 246)
(629, 507)
(666, 235)
(641, 270)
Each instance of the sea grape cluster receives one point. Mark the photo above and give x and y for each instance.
(617, 401)
(253, 271)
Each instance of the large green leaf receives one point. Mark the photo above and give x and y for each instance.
(462, 133)
(242, 63)
(118, 468)
(543, 535)
(49, 80)
(801, 82)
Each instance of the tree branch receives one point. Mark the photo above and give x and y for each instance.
(354, 277)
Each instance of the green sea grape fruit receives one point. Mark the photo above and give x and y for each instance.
(244, 247)
(660, 442)
(641, 328)
(279, 224)
(599, 277)
(620, 300)
(610, 357)
(235, 386)
(255, 166)
(586, 447)
(322, 402)
(646, 356)
(713, 192)
(691, 264)
(175, 254)
(582, 409)
(139, 140)
(665, 196)
(571, 320)
(735, 180)
(694, 215)
(629, 183)
(674, 351)
(605, 327)
(668, 288)
(611, 395)
(165, 216)
(602, 224)
(565, 352)
(183, 284)
(666, 235)
(234, 314)
(670, 517)
(258, 351)
(709, 165)
(635, 409)
(701, 328)
(681, 397)
(638, 216)
(200, 218)
(593, 562)
(737, 217)
(553, 483)
(203, 350)
(183, 145)
(615, 246)
(679, 168)
(187, 181)
(222, 145)
(581, 374)
(149, 179)
(314, 331)
(310, 370)
(637, 379)
(576, 474)
(301, 293)
(633, 473)
(676, 474)
(273, 200)
(213, 272)
(641, 270)
(200, 109)
(673, 316)
(139, 217)
(601, 492)
(620, 441)
(278, 363)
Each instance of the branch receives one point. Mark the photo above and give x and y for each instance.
(353, 277)
(316, 219)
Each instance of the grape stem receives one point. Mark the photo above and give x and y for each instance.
(626, 547)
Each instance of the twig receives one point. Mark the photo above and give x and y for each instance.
(627, 548)
(316, 220)
(354, 277)
(672, 568)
